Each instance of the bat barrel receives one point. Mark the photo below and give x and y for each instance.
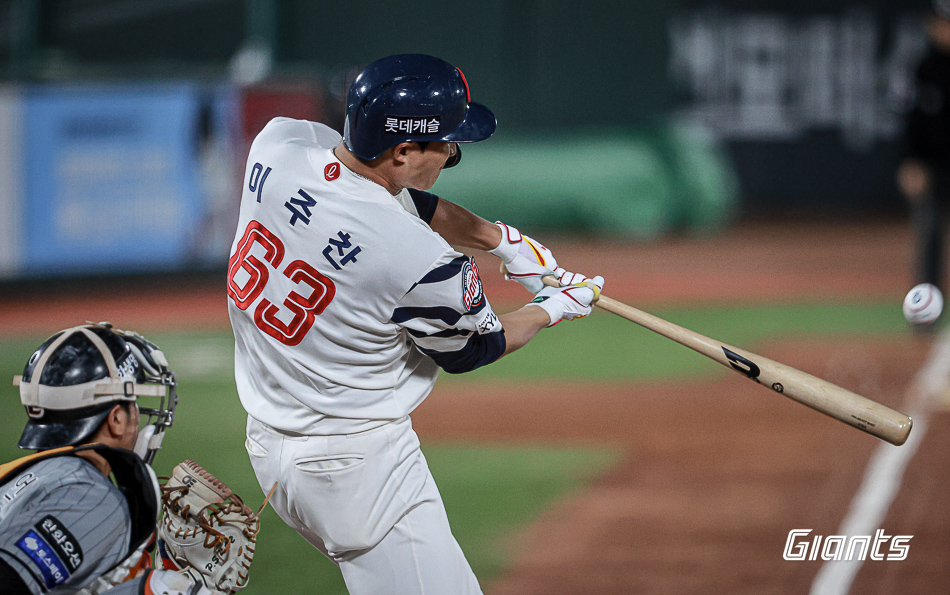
(822, 396)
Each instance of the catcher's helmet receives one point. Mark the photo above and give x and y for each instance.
(411, 97)
(77, 376)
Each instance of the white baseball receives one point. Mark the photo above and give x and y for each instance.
(923, 304)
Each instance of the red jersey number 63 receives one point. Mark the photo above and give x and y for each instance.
(303, 307)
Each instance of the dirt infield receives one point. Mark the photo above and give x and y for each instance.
(715, 473)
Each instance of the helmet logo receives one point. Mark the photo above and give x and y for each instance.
(413, 124)
(127, 368)
(331, 171)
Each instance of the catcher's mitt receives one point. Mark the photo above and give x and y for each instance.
(207, 529)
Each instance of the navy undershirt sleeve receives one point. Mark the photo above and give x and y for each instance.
(425, 202)
(480, 350)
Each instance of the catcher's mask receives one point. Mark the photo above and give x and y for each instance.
(78, 375)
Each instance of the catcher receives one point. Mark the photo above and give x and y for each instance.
(65, 527)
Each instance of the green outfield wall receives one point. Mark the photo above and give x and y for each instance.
(631, 186)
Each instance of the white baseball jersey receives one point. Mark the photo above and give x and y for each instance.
(343, 301)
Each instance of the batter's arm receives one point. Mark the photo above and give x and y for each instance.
(522, 325)
(461, 227)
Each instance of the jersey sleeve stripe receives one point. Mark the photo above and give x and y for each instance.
(478, 351)
(441, 344)
(447, 315)
(435, 317)
(444, 272)
(449, 332)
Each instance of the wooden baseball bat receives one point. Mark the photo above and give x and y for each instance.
(832, 400)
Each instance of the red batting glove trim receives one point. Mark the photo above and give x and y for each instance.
(567, 292)
(508, 233)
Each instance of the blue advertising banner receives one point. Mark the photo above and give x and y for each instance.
(11, 193)
(111, 183)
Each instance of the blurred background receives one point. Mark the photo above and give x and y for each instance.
(124, 123)
(728, 165)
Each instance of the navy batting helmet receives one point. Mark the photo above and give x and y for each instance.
(411, 97)
(78, 375)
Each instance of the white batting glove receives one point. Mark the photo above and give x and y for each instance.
(573, 301)
(526, 259)
(566, 278)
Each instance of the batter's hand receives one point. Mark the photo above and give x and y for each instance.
(573, 301)
(566, 278)
(526, 260)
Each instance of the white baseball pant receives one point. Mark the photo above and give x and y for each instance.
(369, 503)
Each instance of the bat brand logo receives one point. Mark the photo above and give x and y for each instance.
(331, 171)
(744, 366)
(777, 387)
(840, 547)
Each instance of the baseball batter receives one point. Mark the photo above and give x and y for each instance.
(64, 526)
(346, 298)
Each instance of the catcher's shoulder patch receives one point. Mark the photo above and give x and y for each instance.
(45, 558)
